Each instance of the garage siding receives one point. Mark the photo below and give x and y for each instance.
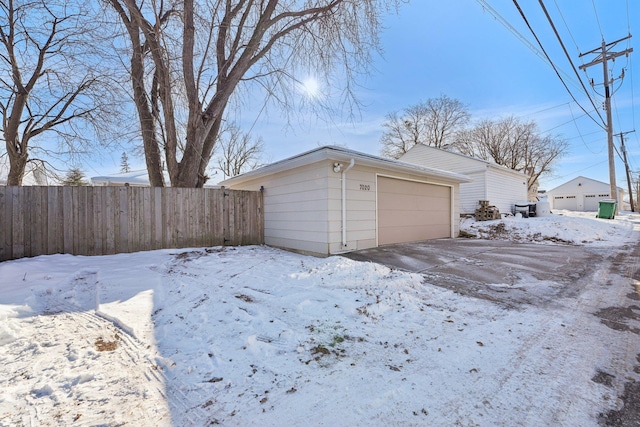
(295, 207)
(410, 211)
(472, 192)
(361, 209)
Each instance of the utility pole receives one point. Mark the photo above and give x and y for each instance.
(626, 167)
(604, 56)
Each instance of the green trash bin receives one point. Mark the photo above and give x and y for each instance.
(607, 209)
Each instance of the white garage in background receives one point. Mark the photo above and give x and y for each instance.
(331, 200)
(581, 194)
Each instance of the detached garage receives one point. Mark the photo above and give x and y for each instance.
(581, 194)
(332, 200)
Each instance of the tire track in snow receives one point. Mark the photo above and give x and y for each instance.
(178, 394)
(567, 345)
(71, 319)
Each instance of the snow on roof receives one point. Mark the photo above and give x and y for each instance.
(138, 178)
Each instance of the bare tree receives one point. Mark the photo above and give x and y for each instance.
(433, 122)
(515, 144)
(238, 152)
(188, 59)
(48, 80)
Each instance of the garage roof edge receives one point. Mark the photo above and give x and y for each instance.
(343, 154)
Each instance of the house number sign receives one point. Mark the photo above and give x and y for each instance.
(365, 187)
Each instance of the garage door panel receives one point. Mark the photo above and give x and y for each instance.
(411, 211)
(565, 202)
(410, 234)
(592, 201)
(417, 204)
(412, 218)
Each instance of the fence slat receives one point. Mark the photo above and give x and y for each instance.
(5, 225)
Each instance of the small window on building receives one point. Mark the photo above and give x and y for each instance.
(588, 196)
(571, 197)
(558, 197)
(603, 195)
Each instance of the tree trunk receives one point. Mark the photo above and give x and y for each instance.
(152, 152)
(17, 166)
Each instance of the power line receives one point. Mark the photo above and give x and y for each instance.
(566, 26)
(630, 66)
(580, 133)
(628, 19)
(564, 49)
(595, 11)
(554, 66)
(511, 28)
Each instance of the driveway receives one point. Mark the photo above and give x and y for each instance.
(510, 273)
(571, 284)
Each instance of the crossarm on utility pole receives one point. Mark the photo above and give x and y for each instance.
(604, 56)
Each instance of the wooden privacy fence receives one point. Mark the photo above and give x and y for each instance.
(108, 220)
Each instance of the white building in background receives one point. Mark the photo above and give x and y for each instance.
(501, 186)
(581, 194)
(139, 178)
(35, 172)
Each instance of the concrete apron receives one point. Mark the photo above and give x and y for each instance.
(490, 269)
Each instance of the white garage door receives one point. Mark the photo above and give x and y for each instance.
(410, 211)
(592, 201)
(569, 203)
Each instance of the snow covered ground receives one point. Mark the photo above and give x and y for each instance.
(259, 336)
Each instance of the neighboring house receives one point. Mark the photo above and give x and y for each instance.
(35, 172)
(139, 178)
(332, 200)
(501, 186)
(581, 194)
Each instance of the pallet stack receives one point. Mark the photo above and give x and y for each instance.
(486, 212)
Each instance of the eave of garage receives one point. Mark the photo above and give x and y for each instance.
(343, 154)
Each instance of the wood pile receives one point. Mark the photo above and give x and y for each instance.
(487, 212)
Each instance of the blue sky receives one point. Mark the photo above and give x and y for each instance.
(458, 48)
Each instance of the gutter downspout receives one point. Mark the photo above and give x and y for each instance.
(344, 202)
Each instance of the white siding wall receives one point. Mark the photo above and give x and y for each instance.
(361, 210)
(472, 192)
(504, 190)
(295, 207)
(441, 159)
